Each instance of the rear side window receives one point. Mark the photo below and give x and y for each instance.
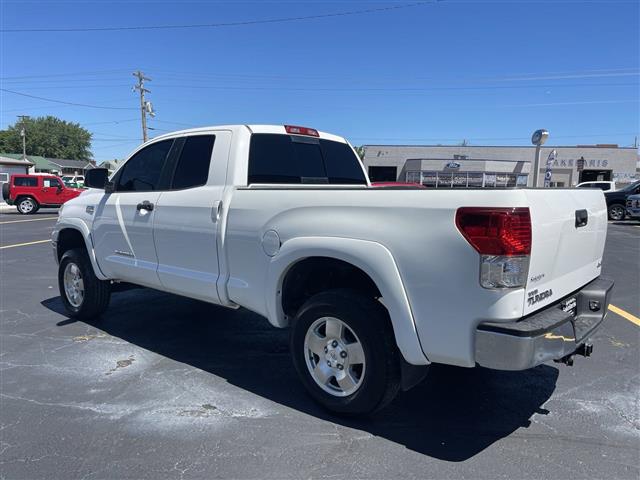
(343, 167)
(141, 173)
(192, 169)
(25, 181)
(295, 159)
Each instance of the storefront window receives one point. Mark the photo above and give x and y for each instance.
(413, 177)
(467, 179)
(444, 180)
(429, 179)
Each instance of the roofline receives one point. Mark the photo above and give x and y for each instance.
(66, 166)
(252, 128)
(13, 161)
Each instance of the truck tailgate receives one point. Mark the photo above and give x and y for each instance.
(566, 252)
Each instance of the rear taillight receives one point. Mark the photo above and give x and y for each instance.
(301, 130)
(502, 237)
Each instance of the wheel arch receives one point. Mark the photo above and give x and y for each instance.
(75, 234)
(22, 196)
(369, 262)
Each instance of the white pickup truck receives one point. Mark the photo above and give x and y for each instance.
(376, 284)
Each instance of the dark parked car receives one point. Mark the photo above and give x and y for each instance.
(617, 200)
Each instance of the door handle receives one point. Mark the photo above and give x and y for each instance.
(582, 218)
(146, 205)
(216, 211)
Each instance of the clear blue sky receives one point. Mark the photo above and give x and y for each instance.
(487, 71)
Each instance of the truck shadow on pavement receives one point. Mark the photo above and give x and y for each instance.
(455, 414)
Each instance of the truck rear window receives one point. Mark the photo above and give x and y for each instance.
(25, 181)
(275, 158)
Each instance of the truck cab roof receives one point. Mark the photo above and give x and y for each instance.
(256, 128)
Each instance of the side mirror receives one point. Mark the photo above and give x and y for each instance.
(96, 178)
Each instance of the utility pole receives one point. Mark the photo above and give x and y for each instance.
(145, 107)
(23, 134)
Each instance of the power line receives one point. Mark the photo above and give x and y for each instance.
(348, 89)
(111, 122)
(178, 123)
(222, 24)
(129, 140)
(392, 89)
(68, 74)
(65, 103)
(230, 76)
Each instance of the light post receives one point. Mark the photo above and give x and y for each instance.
(538, 138)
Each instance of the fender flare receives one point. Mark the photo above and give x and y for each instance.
(83, 229)
(372, 258)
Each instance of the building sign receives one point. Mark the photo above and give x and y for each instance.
(452, 165)
(581, 163)
(551, 159)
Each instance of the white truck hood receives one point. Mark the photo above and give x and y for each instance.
(564, 256)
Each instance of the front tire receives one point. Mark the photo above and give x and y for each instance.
(84, 295)
(616, 212)
(344, 351)
(27, 206)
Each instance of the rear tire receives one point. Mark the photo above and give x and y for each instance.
(83, 294)
(344, 351)
(27, 206)
(616, 212)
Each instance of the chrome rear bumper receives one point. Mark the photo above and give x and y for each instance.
(550, 334)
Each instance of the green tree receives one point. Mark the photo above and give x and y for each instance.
(48, 137)
(360, 152)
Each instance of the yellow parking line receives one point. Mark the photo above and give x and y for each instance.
(29, 220)
(24, 244)
(627, 315)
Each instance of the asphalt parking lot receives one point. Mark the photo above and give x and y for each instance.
(166, 387)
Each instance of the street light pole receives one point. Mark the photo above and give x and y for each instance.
(538, 138)
(536, 166)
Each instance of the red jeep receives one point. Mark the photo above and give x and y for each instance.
(30, 192)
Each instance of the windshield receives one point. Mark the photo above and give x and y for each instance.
(630, 187)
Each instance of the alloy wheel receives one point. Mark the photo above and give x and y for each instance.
(334, 356)
(27, 206)
(616, 212)
(73, 285)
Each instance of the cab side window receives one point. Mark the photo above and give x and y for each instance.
(192, 168)
(142, 172)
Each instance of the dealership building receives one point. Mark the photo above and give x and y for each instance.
(498, 166)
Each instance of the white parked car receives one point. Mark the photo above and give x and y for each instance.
(73, 180)
(376, 284)
(605, 186)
